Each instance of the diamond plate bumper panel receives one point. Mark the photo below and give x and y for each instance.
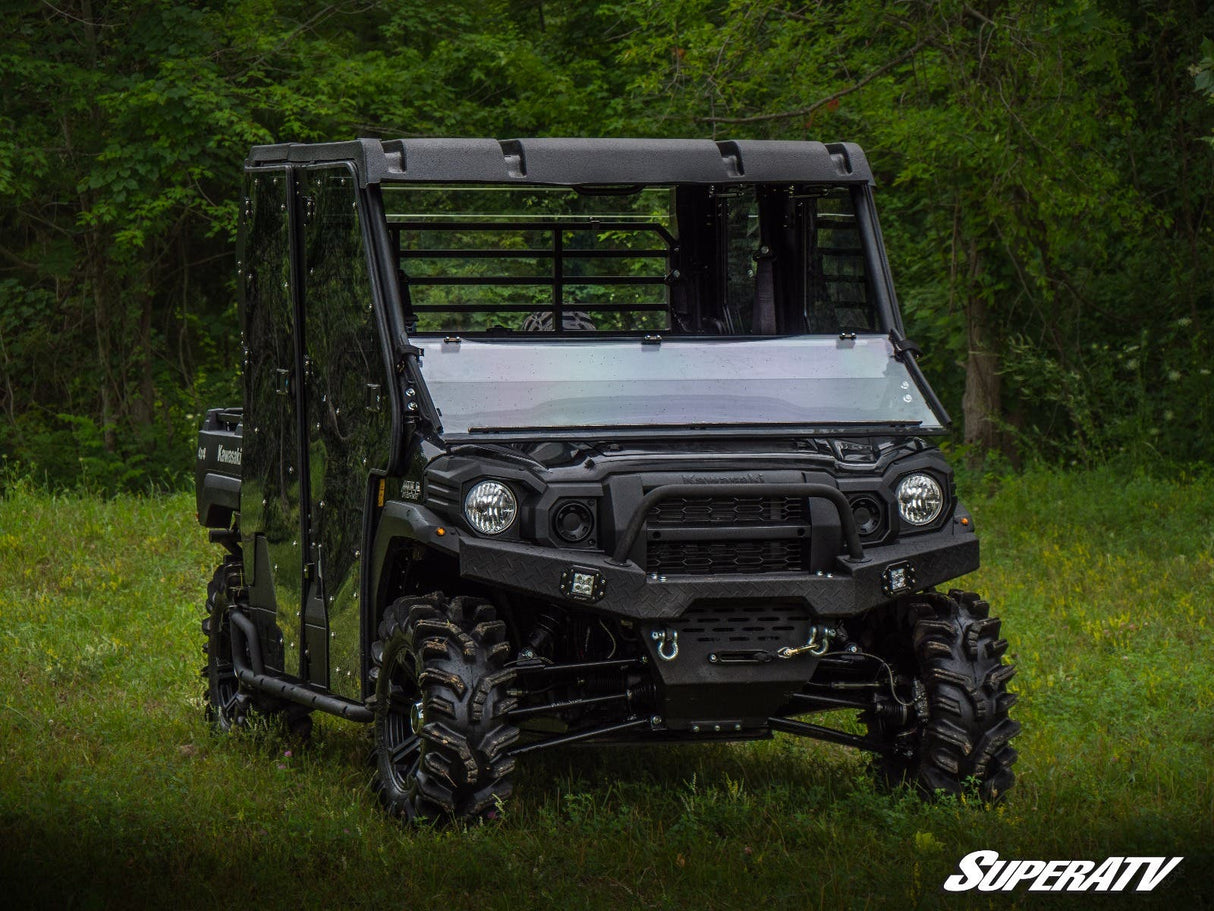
(851, 588)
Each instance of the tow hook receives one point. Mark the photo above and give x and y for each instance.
(668, 643)
(818, 642)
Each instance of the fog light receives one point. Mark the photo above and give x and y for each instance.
(573, 522)
(898, 579)
(583, 584)
(867, 513)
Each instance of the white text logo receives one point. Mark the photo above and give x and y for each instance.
(984, 871)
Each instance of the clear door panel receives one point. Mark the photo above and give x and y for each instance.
(270, 489)
(347, 415)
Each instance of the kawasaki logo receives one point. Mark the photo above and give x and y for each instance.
(986, 872)
(228, 456)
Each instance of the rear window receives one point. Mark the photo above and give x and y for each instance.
(737, 260)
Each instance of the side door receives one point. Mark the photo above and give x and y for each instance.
(347, 421)
(273, 482)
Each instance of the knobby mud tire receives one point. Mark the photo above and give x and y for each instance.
(227, 707)
(951, 646)
(442, 709)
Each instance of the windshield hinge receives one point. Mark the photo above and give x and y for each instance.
(402, 363)
(902, 346)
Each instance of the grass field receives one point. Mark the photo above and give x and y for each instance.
(113, 793)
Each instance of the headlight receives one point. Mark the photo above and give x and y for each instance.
(490, 507)
(920, 499)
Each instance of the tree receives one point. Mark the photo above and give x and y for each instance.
(124, 128)
(1012, 143)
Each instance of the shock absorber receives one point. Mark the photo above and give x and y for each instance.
(547, 625)
(642, 696)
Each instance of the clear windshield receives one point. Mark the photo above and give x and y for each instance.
(487, 385)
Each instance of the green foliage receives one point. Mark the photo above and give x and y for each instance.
(1146, 398)
(1043, 177)
(1027, 207)
(113, 790)
(124, 126)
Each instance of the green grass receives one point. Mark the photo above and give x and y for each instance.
(113, 793)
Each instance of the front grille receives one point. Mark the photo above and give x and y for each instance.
(698, 558)
(686, 512)
(742, 626)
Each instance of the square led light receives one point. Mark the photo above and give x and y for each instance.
(898, 579)
(583, 584)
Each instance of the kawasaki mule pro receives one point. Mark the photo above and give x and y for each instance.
(554, 441)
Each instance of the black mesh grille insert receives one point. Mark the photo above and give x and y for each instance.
(704, 557)
(686, 512)
(744, 626)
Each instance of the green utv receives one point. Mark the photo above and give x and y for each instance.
(555, 441)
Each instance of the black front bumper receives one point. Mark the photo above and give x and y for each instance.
(628, 591)
(625, 590)
(713, 685)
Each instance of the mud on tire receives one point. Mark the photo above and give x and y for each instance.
(441, 709)
(959, 731)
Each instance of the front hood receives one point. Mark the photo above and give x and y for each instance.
(701, 461)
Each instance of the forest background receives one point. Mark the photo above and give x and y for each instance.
(1044, 174)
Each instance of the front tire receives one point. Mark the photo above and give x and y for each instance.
(442, 709)
(956, 731)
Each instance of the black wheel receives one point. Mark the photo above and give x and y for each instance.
(441, 709)
(227, 706)
(954, 729)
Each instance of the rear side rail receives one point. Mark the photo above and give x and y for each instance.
(847, 521)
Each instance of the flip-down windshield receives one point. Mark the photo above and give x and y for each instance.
(696, 307)
(801, 382)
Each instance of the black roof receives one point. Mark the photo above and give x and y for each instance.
(574, 162)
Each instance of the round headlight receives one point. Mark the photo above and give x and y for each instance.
(490, 507)
(920, 499)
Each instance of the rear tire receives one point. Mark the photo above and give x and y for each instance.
(227, 706)
(441, 709)
(958, 731)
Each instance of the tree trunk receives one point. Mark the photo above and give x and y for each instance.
(144, 406)
(102, 324)
(980, 404)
